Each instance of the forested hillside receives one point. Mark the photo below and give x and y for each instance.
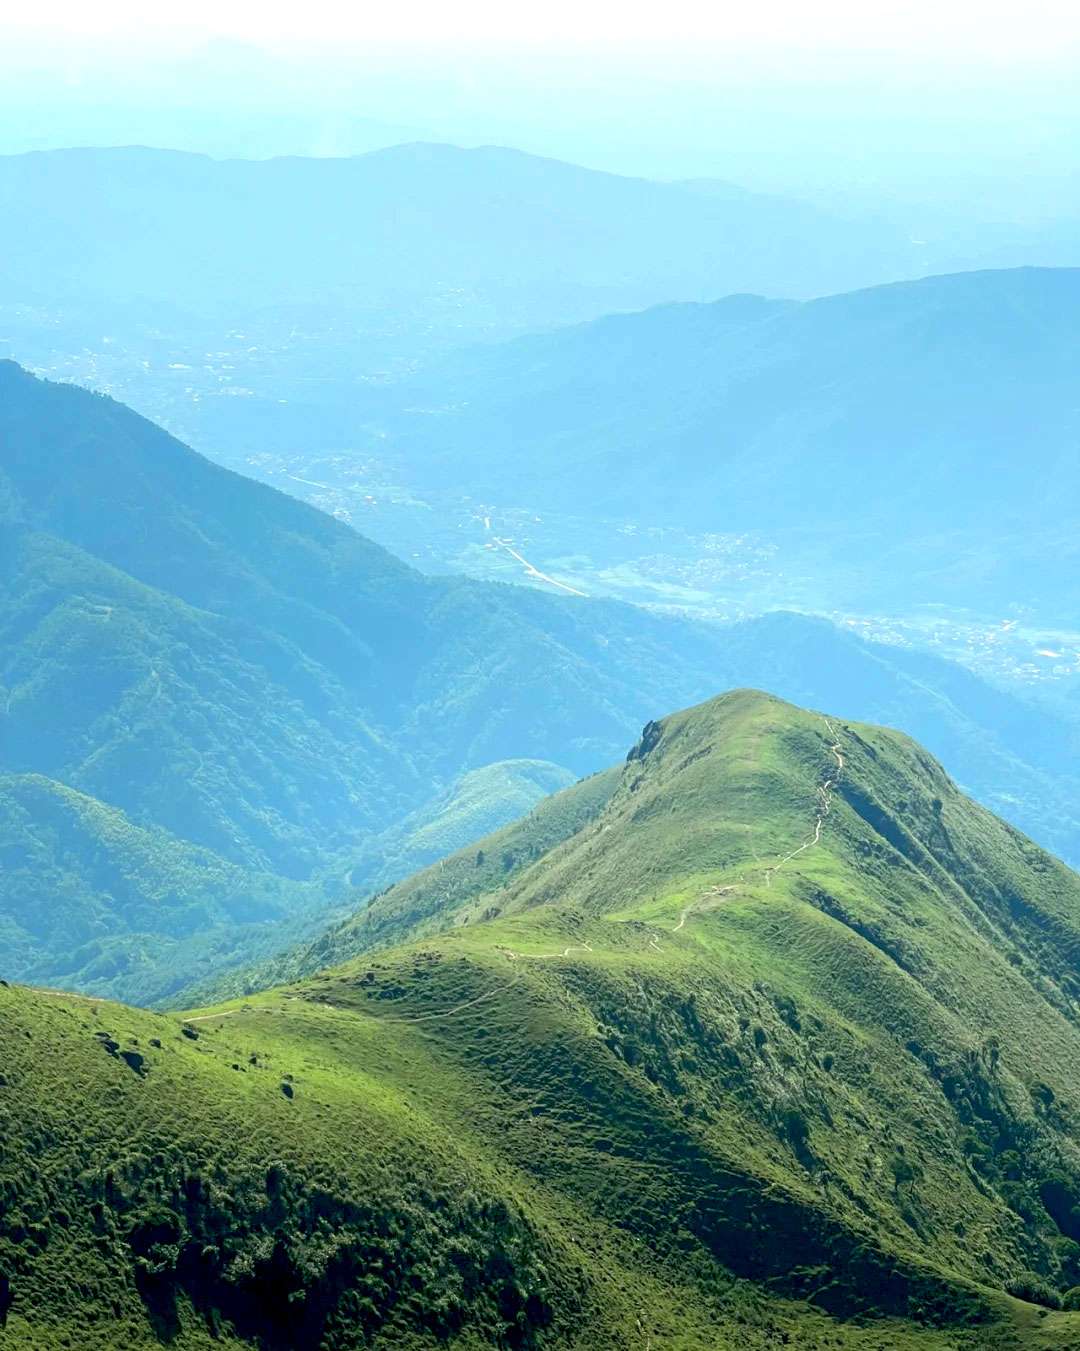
(223, 664)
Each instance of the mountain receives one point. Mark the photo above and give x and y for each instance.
(493, 236)
(874, 434)
(244, 677)
(1011, 755)
(776, 1045)
(102, 506)
(256, 306)
(225, 717)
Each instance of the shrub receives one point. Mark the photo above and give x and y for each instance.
(1035, 1290)
(796, 1128)
(902, 1171)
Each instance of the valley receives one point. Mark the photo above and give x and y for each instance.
(710, 576)
(701, 391)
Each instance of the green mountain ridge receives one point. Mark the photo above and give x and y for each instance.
(1015, 759)
(225, 664)
(244, 677)
(71, 865)
(774, 1041)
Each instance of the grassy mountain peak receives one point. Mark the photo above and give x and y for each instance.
(244, 677)
(767, 1036)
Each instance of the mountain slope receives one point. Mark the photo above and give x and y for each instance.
(784, 1032)
(872, 918)
(222, 663)
(84, 890)
(307, 602)
(1010, 755)
(879, 430)
(1007, 752)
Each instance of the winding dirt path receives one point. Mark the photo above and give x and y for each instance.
(824, 795)
(449, 1013)
(543, 956)
(713, 894)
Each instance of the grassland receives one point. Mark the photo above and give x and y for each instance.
(774, 1043)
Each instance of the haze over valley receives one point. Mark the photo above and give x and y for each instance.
(397, 397)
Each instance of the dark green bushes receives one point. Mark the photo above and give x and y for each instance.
(1035, 1290)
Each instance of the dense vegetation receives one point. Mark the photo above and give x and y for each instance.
(95, 903)
(670, 1082)
(91, 900)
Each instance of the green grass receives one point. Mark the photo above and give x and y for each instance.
(837, 1107)
(367, 1174)
(263, 694)
(430, 901)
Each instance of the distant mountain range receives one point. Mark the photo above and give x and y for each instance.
(494, 237)
(283, 308)
(256, 304)
(920, 440)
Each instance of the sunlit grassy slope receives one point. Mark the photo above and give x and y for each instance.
(672, 1084)
(232, 670)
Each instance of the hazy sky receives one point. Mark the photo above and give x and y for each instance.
(947, 101)
(962, 30)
